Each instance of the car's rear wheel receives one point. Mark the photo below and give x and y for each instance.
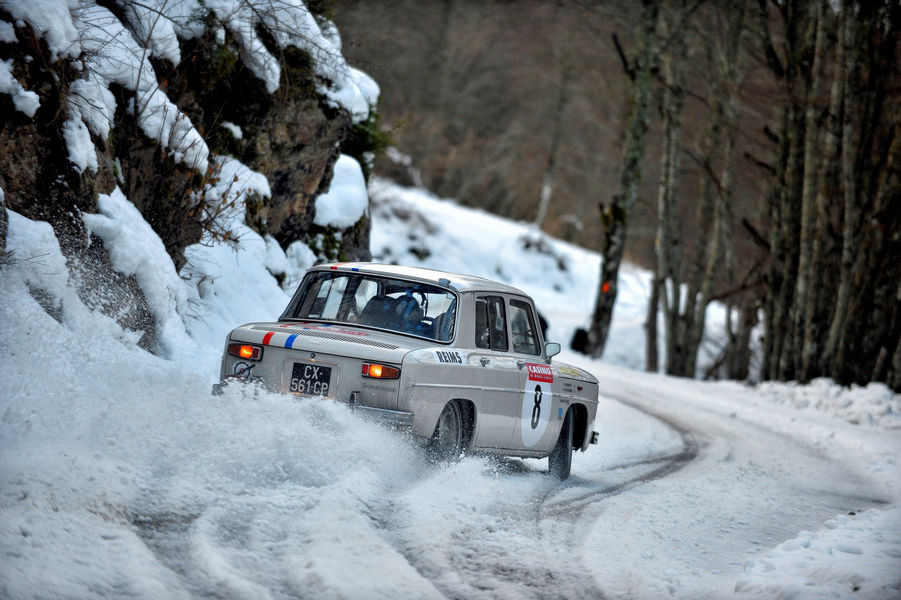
(447, 441)
(561, 458)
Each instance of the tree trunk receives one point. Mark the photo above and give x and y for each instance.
(547, 182)
(651, 358)
(437, 99)
(894, 375)
(739, 365)
(819, 300)
(616, 215)
(667, 239)
(785, 210)
(802, 305)
(727, 67)
(851, 214)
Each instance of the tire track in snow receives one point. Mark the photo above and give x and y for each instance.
(545, 569)
(660, 466)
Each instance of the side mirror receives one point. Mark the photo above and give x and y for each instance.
(551, 349)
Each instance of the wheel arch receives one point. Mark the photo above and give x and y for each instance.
(469, 420)
(580, 424)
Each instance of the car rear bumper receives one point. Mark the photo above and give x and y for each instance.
(393, 418)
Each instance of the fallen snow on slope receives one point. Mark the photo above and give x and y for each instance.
(109, 52)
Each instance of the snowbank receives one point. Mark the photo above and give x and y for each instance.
(874, 404)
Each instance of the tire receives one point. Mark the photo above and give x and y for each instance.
(446, 444)
(561, 458)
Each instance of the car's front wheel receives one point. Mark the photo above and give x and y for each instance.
(447, 440)
(561, 458)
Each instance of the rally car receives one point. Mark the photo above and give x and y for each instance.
(459, 361)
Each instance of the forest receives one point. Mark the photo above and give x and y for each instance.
(747, 153)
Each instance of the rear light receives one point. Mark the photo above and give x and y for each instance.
(380, 371)
(246, 351)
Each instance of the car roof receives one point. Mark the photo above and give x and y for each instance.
(461, 283)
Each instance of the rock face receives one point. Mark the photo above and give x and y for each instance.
(35, 173)
(291, 136)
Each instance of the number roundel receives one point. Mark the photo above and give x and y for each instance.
(536, 411)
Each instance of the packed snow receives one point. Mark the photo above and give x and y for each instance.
(123, 477)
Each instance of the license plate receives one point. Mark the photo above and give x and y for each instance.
(311, 380)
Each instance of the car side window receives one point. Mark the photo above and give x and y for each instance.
(522, 326)
(491, 323)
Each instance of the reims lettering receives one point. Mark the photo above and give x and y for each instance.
(445, 356)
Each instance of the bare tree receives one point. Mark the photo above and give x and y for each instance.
(615, 216)
(710, 253)
(669, 280)
(550, 171)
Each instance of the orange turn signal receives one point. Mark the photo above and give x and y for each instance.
(380, 371)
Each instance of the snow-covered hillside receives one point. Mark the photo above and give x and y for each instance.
(122, 477)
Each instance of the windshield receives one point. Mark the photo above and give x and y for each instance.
(407, 307)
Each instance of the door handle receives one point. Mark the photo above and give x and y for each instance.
(485, 361)
(520, 364)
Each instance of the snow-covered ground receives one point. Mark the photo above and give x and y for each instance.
(122, 477)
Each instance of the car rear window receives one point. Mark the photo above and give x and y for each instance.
(407, 307)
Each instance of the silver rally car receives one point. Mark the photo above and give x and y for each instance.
(458, 360)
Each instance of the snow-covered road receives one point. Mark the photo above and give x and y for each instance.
(751, 487)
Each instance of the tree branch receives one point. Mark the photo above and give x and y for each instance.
(755, 235)
(629, 70)
(772, 57)
(760, 163)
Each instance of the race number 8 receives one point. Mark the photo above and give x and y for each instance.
(536, 410)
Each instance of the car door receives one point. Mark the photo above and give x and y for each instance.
(537, 417)
(495, 371)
